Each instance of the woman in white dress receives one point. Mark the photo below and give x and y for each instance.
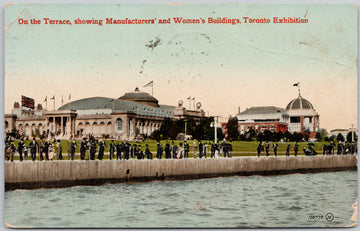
(51, 150)
(180, 151)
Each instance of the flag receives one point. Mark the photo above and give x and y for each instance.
(45, 99)
(53, 97)
(193, 98)
(69, 96)
(62, 99)
(150, 84)
(188, 97)
(27, 102)
(296, 84)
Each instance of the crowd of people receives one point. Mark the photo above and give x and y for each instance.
(53, 150)
(328, 148)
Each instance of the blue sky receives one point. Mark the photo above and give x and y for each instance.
(223, 66)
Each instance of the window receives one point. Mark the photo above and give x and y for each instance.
(119, 124)
(294, 119)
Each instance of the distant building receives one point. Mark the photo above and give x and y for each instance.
(133, 114)
(298, 116)
(343, 132)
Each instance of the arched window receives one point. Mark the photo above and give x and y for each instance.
(119, 124)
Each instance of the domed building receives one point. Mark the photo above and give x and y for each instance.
(302, 116)
(134, 114)
(298, 116)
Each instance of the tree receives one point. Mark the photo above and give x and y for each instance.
(232, 128)
(340, 137)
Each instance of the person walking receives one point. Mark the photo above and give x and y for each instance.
(200, 149)
(51, 150)
(205, 147)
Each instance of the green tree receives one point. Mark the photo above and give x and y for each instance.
(232, 128)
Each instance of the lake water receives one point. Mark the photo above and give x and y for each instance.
(296, 200)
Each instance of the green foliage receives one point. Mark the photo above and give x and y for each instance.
(232, 128)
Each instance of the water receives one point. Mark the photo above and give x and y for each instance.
(255, 201)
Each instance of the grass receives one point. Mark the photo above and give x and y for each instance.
(240, 148)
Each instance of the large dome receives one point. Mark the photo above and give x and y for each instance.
(140, 97)
(299, 103)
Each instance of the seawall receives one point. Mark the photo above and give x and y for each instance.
(48, 174)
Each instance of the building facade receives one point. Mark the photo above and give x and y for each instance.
(298, 116)
(131, 116)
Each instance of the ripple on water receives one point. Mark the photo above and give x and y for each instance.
(220, 202)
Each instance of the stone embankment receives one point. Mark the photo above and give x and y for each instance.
(48, 174)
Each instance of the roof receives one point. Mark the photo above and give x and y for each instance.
(262, 110)
(299, 103)
(96, 103)
(139, 96)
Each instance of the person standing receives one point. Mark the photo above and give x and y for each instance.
(217, 149)
(112, 148)
(180, 151)
(194, 147)
(148, 154)
(119, 148)
(186, 149)
(275, 149)
(288, 150)
(259, 149)
(173, 150)
(83, 147)
(33, 147)
(159, 150)
(267, 148)
(12, 151)
(201, 149)
(230, 149)
(92, 150)
(58, 150)
(72, 150)
(296, 148)
(51, 150)
(46, 150)
(126, 150)
(167, 150)
(205, 147)
(139, 153)
(20, 148)
(212, 150)
(101, 150)
(41, 150)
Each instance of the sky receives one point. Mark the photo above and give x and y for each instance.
(223, 66)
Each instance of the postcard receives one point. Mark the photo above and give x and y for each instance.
(180, 115)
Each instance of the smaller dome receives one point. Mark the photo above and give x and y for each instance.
(140, 97)
(299, 103)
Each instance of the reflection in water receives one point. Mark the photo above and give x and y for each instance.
(255, 201)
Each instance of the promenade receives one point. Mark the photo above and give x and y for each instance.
(49, 174)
